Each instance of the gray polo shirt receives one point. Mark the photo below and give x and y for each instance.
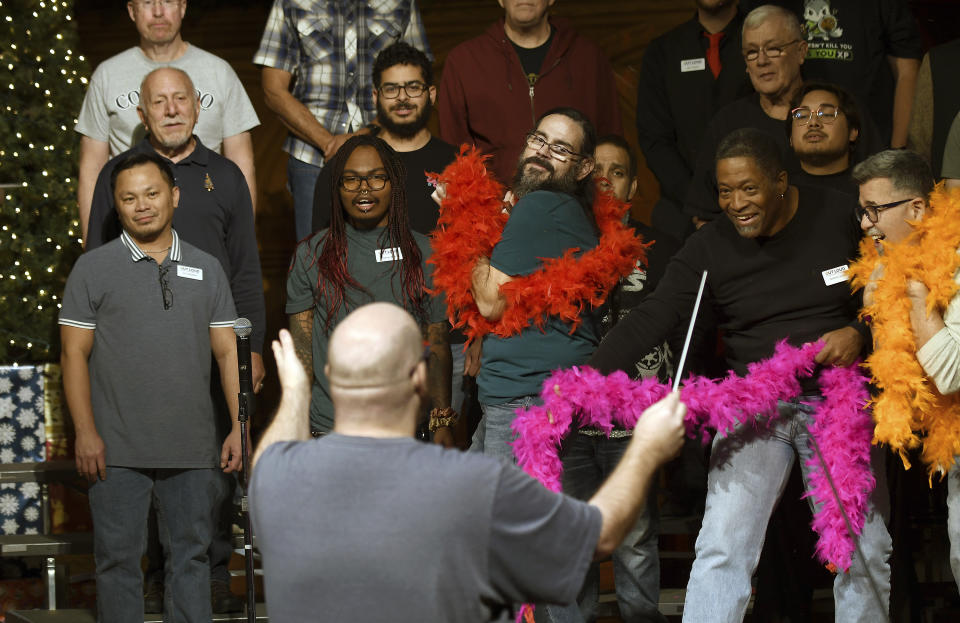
(150, 363)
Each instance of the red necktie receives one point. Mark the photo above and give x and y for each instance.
(713, 52)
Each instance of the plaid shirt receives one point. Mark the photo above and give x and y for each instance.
(329, 46)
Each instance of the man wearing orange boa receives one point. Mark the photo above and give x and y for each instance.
(909, 274)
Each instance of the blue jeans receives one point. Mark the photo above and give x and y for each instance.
(587, 462)
(185, 501)
(493, 434)
(748, 472)
(301, 180)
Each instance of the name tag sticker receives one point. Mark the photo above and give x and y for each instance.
(693, 64)
(189, 272)
(835, 275)
(388, 255)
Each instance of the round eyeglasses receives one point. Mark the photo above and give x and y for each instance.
(826, 113)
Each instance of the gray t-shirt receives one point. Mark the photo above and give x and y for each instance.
(370, 263)
(109, 111)
(150, 363)
(362, 529)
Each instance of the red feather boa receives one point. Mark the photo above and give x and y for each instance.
(470, 225)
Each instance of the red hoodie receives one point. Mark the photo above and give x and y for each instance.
(485, 99)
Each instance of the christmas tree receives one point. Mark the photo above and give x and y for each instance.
(43, 80)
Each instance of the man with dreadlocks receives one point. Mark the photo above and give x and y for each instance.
(367, 254)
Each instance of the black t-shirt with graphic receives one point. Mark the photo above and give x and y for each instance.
(531, 59)
(849, 42)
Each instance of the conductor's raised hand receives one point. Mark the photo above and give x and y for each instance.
(293, 377)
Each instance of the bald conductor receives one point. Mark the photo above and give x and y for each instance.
(371, 525)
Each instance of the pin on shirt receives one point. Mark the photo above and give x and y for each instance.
(208, 183)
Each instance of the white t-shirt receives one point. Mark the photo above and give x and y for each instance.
(109, 111)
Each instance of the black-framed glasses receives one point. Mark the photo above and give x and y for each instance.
(165, 290)
(352, 183)
(772, 51)
(873, 212)
(826, 113)
(391, 90)
(561, 153)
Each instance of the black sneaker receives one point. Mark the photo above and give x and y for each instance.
(222, 599)
(153, 597)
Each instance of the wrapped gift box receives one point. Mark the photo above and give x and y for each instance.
(69, 508)
(22, 439)
(35, 427)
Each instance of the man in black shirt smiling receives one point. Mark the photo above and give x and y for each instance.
(770, 279)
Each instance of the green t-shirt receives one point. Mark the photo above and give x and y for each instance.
(543, 224)
(369, 263)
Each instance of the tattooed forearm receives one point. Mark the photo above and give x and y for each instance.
(301, 330)
(440, 367)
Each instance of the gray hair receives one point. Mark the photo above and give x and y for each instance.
(906, 170)
(762, 13)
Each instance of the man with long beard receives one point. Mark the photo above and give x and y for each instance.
(404, 94)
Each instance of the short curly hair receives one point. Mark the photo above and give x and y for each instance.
(401, 53)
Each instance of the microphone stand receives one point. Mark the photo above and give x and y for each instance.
(242, 328)
(244, 506)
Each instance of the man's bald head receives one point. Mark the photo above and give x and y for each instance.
(375, 370)
(377, 345)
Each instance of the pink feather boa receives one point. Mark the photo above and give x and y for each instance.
(842, 427)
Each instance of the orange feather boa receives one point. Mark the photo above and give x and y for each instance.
(909, 406)
(470, 225)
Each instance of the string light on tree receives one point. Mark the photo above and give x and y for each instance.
(43, 85)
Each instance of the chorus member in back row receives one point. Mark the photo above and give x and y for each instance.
(523, 65)
(764, 286)
(872, 48)
(686, 75)
(774, 51)
(367, 254)
(108, 123)
(316, 59)
(823, 129)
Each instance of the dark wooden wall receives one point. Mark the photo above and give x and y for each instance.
(232, 28)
